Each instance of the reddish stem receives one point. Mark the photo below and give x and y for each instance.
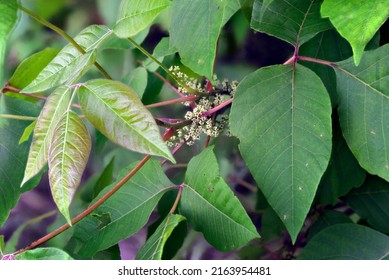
(172, 101)
(95, 205)
(163, 79)
(175, 150)
(174, 207)
(316, 60)
(218, 107)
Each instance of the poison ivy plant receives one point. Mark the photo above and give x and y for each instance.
(282, 116)
(290, 183)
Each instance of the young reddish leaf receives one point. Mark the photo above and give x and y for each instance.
(68, 156)
(116, 110)
(55, 106)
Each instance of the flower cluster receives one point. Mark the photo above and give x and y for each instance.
(201, 121)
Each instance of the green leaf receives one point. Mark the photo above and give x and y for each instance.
(137, 80)
(69, 65)
(134, 15)
(364, 109)
(247, 8)
(212, 208)
(55, 106)
(29, 68)
(370, 201)
(68, 156)
(27, 132)
(153, 248)
(330, 46)
(326, 219)
(347, 242)
(2, 244)
(293, 21)
(44, 254)
(13, 156)
(282, 116)
(343, 172)
(357, 21)
(116, 110)
(8, 19)
(195, 28)
(126, 212)
(105, 178)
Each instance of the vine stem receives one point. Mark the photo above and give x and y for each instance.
(296, 58)
(95, 205)
(316, 60)
(17, 117)
(178, 197)
(172, 101)
(62, 33)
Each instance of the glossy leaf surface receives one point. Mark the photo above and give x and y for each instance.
(126, 212)
(370, 201)
(68, 156)
(116, 110)
(70, 64)
(153, 248)
(134, 16)
(212, 208)
(293, 21)
(282, 117)
(347, 242)
(357, 21)
(364, 109)
(195, 29)
(30, 68)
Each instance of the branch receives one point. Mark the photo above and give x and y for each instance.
(17, 117)
(172, 101)
(317, 60)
